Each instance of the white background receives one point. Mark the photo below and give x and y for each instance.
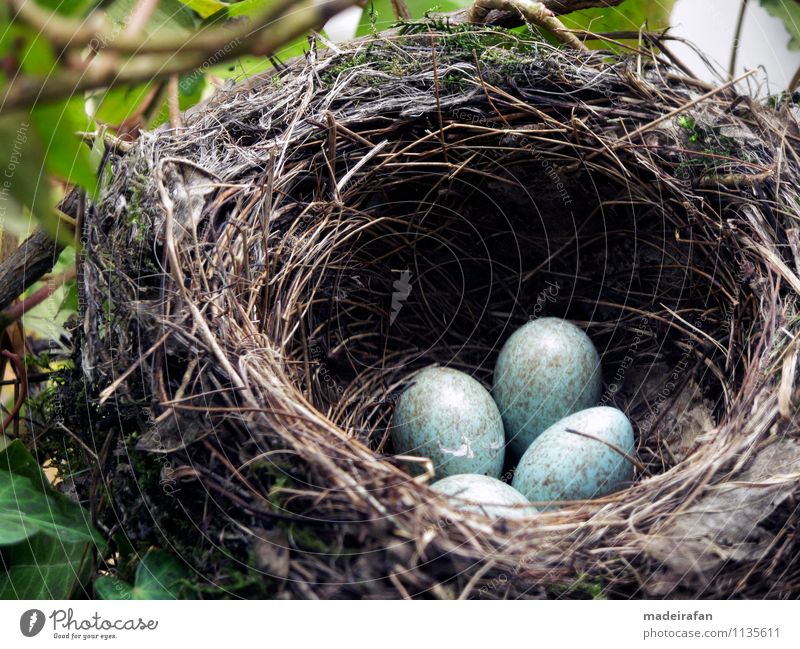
(412, 625)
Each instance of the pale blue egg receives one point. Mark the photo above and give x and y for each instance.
(450, 417)
(481, 494)
(547, 369)
(564, 465)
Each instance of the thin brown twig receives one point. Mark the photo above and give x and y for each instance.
(737, 37)
(20, 308)
(140, 15)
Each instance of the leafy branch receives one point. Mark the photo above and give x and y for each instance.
(152, 57)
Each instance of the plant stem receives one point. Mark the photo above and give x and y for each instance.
(139, 17)
(19, 309)
(401, 9)
(737, 35)
(100, 31)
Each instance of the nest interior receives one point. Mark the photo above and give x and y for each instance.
(259, 285)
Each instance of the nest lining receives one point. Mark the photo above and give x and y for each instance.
(309, 239)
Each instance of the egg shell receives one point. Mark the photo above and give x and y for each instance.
(481, 494)
(547, 369)
(450, 417)
(561, 465)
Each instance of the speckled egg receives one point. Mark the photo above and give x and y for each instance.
(546, 370)
(562, 465)
(481, 494)
(450, 417)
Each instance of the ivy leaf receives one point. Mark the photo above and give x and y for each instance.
(205, 8)
(169, 15)
(118, 104)
(247, 8)
(42, 139)
(46, 540)
(67, 156)
(28, 507)
(67, 7)
(43, 567)
(111, 588)
(242, 67)
(15, 458)
(28, 504)
(22, 182)
(36, 55)
(247, 66)
(789, 12)
(70, 304)
(51, 143)
(159, 575)
(48, 318)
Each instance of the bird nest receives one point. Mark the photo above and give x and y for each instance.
(259, 285)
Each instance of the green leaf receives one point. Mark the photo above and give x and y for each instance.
(111, 588)
(15, 458)
(789, 12)
(28, 506)
(44, 138)
(48, 318)
(67, 156)
(36, 55)
(247, 66)
(379, 15)
(46, 539)
(205, 8)
(43, 567)
(159, 575)
(242, 67)
(190, 92)
(71, 301)
(67, 7)
(22, 182)
(118, 104)
(248, 8)
(169, 15)
(631, 15)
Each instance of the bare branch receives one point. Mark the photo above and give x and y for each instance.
(513, 18)
(98, 29)
(187, 53)
(26, 265)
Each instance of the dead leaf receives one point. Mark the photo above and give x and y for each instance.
(724, 524)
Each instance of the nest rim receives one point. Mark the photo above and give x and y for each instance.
(268, 366)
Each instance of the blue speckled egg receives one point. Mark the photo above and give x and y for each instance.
(448, 416)
(561, 465)
(481, 494)
(546, 370)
